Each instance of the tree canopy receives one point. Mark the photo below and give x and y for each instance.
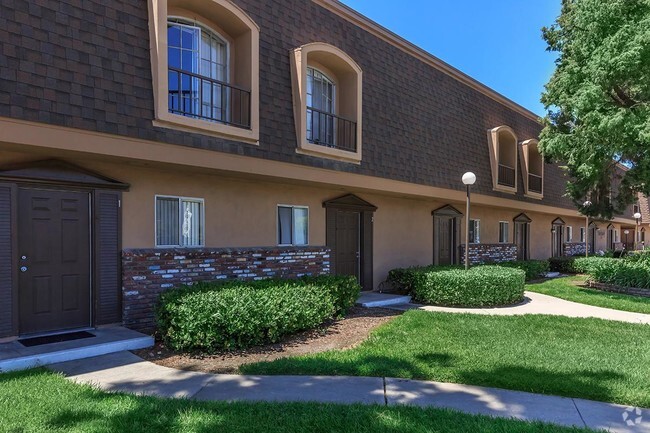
(598, 101)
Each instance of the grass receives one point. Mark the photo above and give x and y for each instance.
(587, 358)
(569, 289)
(41, 401)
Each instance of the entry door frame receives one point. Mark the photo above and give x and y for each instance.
(447, 212)
(366, 210)
(105, 224)
(91, 259)
(557, 237)
(522, 223)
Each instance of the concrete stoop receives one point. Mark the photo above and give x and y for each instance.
(379, 300)
(14, 356)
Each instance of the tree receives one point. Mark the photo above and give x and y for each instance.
(598, 101)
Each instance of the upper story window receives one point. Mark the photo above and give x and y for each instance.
(532, 163)
(205, 64)
(327, 102)
(199, 76)
(502, 143)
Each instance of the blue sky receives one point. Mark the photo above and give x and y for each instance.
(496, 42)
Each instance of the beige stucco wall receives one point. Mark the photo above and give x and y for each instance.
(241, 212)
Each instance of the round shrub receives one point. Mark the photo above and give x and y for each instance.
(481, 286)
(534, 269)
(207, 317)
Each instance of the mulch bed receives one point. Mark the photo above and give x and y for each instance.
(334, 335)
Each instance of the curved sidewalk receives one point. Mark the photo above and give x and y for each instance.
(537, 303)
(126, 372)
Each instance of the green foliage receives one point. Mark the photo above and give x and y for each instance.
(480, 286)
(534, 269)
(583, 265)
(625, 273)
(598, 101)
(344, 290)
(211, 316)
(565, 265)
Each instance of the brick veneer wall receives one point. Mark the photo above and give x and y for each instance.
(489, 253)
(148, 272)
(575, 248)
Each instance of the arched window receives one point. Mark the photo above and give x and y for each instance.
(205, 68)
(532, 163)
(198, 71)
(503, 157)
(327, 92)
(321, 108)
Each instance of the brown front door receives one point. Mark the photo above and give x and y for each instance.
(54, 260)
(348, 224)
(521, 239)
(446, 240)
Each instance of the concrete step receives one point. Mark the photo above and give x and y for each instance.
(14, 356)
(378, 300)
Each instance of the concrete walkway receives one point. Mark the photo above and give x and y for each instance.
(536, 303)
(126, 372)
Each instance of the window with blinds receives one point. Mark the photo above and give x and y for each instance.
(293, 225)
(474, 231)
(179, 222)
(504, 231)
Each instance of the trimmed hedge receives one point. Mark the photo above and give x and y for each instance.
(481, 286)
(534, 269)
(210, 316)
(564, 265)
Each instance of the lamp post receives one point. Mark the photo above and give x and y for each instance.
(637, 217)
(469, 179)
(586, 205)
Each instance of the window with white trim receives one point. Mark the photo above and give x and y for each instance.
(569, 234)
(504, 232)
(198, 73)
(180, 221)
(293, 225)
(474, 231)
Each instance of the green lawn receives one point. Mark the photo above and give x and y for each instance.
(40, 401)
(588, 358)
(567, 288)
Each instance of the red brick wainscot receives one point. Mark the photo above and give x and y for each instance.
(480, 254)
(148, 272)
(575, 249)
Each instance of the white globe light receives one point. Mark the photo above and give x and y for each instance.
(587, 203)
(637, 215)
(469, 178)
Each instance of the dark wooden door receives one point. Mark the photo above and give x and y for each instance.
(445, 241)
(521, 240)
(348, 243)
(558, 240)
(54, 260)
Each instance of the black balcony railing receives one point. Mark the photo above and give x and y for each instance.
(534, 183)
(506, 176)
(330, 130)
(201, 97)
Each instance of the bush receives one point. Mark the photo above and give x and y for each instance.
(534, 269)
(210, 316)
(625, 273)
(583, 265)
(565, 265)
(344, 290)
(481, 286)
